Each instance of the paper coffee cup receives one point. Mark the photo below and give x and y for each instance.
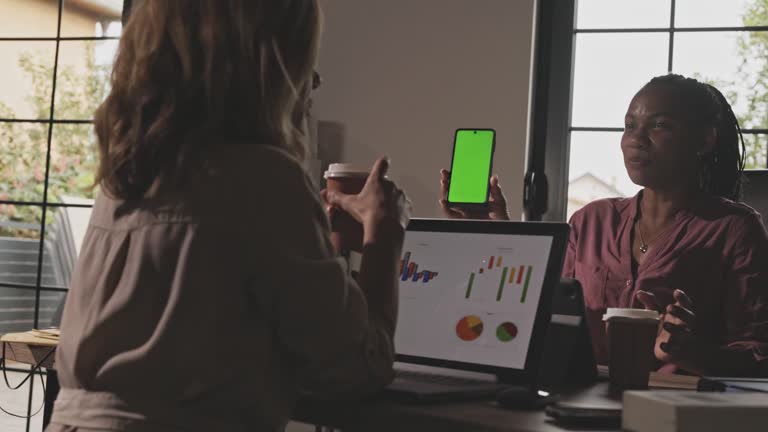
(344, 170)
(630, 314)
(346, 232)
(631, 339)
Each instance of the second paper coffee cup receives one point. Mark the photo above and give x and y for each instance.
(631, 338)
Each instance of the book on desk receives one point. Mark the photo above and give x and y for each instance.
(687, 411)
(658, 380)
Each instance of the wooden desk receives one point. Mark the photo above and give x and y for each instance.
(372, 415)
(33, 354)
(390, 416)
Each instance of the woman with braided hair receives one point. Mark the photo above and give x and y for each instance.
(684, 245)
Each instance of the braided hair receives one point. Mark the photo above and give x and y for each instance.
(722, 170)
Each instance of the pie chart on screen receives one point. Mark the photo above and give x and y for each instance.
(469, 328)
(506, 332)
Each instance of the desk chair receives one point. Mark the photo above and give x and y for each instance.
(755, 191)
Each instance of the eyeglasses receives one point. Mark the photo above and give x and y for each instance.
(316, 82)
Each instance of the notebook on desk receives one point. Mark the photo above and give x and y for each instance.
(475, 300)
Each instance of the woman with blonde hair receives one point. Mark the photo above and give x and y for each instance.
(207, 292)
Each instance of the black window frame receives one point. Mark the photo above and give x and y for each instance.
(549, 150)
(50, 121)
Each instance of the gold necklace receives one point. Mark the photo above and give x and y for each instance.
(643, 244)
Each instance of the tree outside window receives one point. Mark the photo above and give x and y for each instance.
(73, 151)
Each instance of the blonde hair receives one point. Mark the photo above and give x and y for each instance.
(191, 70)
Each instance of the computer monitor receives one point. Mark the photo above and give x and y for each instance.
(476, 295)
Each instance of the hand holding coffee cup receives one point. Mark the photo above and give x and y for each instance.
(346, 232)
(372, 201)
(677, 341)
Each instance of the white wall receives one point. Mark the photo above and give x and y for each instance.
(401, 75)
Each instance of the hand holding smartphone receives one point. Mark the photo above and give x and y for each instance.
(471, 166)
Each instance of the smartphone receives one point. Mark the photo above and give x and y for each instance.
(471, 167)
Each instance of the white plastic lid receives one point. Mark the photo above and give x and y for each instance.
(630, 313)
(345, 170)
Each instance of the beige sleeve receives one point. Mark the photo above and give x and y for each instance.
(321, 314)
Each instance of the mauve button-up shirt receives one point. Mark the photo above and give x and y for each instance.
(716, 251)
(209, 309)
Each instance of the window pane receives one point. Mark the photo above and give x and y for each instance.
(757, 151)
(82, 82)
(64, 234)
(17, 310)
(725, 59)
(596, 169)
(24, 18)
(22, 161)
(19, 243)
(25, 79)
(88, 18)
(609, 70)
(74, 159)
(15, 401)
(622, 13)
(720, 13)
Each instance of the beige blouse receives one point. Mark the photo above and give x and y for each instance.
(210, 311)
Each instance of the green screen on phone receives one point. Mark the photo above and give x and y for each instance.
(471, 168)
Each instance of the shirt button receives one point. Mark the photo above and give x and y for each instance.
(629, 283)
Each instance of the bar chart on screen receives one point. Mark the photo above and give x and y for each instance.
(409, 271)
(470, 297)
(494, 275)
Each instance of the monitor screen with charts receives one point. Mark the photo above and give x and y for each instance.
(471, 292)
